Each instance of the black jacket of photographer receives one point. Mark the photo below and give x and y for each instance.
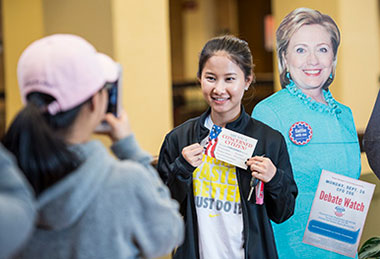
(279, 194)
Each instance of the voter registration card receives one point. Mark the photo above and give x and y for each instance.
(230, 146)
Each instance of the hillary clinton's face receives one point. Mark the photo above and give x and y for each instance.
(309, 57)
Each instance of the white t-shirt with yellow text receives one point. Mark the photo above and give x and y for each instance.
(218, 207)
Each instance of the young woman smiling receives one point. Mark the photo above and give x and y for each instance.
(221, 219)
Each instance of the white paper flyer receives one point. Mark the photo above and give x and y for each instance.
(338, 213)
(230, 147)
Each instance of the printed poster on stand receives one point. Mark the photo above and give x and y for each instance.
(338, 213)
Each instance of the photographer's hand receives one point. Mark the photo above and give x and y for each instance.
(120, 127)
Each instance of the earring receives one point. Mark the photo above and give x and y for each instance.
(331, 76)
(291, 83)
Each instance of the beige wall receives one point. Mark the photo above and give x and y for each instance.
(90, 19)
(359, 62)
(141, 44)
(198, 27)
(134, 33)
(209, 18)
(22, 24)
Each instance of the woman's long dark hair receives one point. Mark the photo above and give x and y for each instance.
(35, 138)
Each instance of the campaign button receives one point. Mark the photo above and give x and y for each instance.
(300, 133)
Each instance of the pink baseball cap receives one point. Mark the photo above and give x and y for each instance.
(66, 67)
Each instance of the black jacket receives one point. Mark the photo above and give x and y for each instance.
(371, 139)
(279, 194)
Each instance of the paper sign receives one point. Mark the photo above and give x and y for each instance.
(230, 147)
(338, 213)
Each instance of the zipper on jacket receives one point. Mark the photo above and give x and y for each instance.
(244, 215)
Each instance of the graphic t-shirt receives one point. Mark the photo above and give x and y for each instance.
(218, 207)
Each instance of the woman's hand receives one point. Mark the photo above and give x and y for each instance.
(262, 168)
(193, 154)
(120, 127)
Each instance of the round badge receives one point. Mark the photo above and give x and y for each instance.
(300, 133)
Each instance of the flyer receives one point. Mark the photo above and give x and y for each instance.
(230, 146)
(338, 213)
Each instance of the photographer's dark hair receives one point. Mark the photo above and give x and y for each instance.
(36, 139)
